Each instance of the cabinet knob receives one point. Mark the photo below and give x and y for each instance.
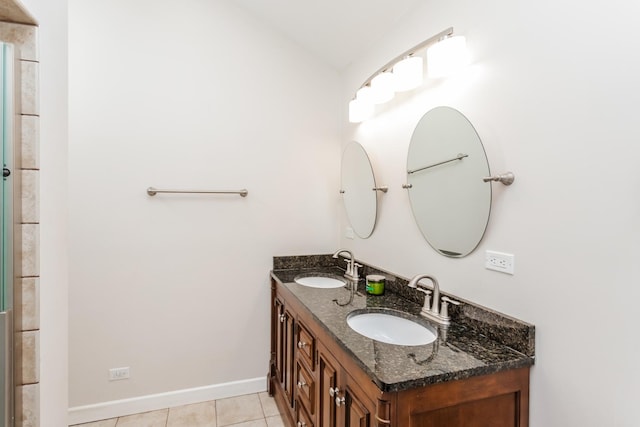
(282, 317)
(339, 400)
(301, 424)
(333, 391)
(301, 384)
(302, 344)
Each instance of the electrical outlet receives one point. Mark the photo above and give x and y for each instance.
(118, 374)
(500, 261)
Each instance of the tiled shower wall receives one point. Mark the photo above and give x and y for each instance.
(26, 287)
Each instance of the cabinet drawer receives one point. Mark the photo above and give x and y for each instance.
(306, 387)
(302, 418)
(306, 344)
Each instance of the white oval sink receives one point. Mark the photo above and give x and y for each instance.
(391, 329)
(319, 281)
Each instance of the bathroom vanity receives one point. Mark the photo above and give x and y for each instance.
(323, 373)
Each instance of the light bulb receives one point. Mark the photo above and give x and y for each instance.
(408, 73)
(365, 94)
(382, 88)
(359, 110)
(447, 56)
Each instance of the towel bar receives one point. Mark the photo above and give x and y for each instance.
(153, 191)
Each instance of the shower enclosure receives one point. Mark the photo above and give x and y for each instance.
(7, 274)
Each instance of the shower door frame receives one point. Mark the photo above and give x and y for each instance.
(9, 75)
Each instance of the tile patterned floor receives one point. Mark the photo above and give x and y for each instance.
(251, 410)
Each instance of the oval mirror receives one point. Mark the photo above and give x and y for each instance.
(445, 166)
(357, 184)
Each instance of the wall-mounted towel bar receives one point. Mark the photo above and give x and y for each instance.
(460, 156)
(383, 188)
(153, 191)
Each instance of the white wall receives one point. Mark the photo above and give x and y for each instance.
(553, 93)
(52, 18)
(189, 94)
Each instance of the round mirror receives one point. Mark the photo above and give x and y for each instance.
(445, 166)
(360, 200)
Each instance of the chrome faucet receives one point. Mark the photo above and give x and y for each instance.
(432, 310)
(352, 265)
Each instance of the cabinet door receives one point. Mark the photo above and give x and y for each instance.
(495, 400)
(357, 410)
(327, 383)
(302, 418)
(289, 363)
(284, 342)
(357, 414)
(496, 411)
(279, 331)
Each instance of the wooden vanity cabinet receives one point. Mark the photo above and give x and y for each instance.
(293, 354)
(312, 387)
(317, 384)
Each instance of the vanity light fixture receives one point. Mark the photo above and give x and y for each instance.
(447, 56)
(405, 72)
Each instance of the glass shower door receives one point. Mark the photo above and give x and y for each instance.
(6, 233)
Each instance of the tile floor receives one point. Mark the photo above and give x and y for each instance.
(251, 410)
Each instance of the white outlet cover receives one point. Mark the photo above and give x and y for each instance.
(116, 374)
(500, 261)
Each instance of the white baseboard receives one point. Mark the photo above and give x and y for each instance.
(152, 402)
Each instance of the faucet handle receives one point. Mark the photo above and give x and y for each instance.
(445, 306)
(354, 272)
(427, 298)
(348, 261)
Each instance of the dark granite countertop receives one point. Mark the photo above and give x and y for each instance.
(479, 341)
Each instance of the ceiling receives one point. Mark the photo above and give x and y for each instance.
(334, 30)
